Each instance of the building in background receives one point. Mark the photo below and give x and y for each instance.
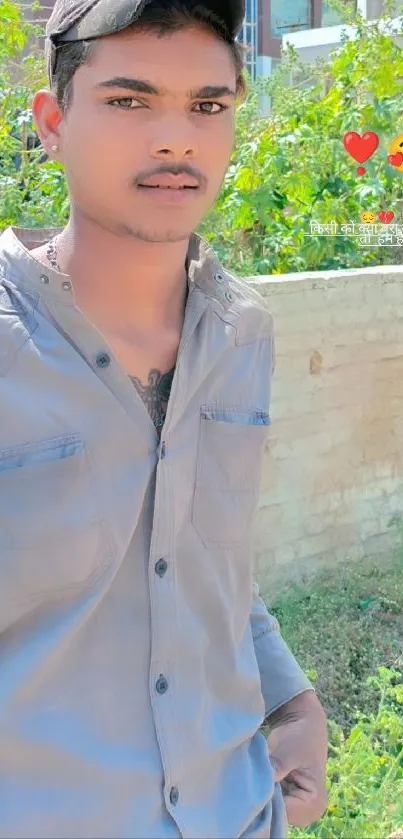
(318, 40)
(311, 26)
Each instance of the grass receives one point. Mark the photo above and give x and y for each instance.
(346, 629)
(344, 626)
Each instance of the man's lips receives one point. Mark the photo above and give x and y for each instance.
(167, 181)
(175, 188)
(169, 196)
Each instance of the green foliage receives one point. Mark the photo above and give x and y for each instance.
(291, 167)
(32, 193)
(365, 769)
(342, 627)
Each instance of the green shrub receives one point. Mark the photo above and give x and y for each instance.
(32, 193)
(291, 167)
(342, 625)
(365, 770)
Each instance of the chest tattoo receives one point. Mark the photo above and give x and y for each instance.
(155, 394)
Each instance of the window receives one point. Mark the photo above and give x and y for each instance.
(290, 17)
(332, 18)
(248, 36)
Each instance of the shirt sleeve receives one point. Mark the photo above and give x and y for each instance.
(281, 676)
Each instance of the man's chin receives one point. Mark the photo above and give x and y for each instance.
(160, 234)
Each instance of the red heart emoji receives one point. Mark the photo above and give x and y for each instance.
(361, 148)
(396, 159)
(386, 217)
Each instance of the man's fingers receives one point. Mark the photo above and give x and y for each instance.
(279, 771)
(303, 807)
(283, 765)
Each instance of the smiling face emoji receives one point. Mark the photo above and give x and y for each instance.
(395, 147)
(367, 217)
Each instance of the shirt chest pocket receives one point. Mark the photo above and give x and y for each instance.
(52, 534)
(228, 474)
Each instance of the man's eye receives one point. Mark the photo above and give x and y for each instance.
(212, 104)
(130, 103)
(124, 102)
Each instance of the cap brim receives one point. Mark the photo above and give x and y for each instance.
(104, 19)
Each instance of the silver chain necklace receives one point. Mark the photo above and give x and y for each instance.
(51, 255)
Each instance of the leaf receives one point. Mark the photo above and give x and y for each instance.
(363, 604)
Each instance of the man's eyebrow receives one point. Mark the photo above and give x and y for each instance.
(143, 86)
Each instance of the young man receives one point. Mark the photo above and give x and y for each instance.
(137, 660)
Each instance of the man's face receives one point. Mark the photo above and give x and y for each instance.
(114, 137)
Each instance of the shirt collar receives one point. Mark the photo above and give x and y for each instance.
(19, 266)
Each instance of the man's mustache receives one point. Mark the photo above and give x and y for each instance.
(171, 170)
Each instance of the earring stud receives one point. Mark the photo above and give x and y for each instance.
(55, 148)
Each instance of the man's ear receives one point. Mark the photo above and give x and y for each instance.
(47, 117)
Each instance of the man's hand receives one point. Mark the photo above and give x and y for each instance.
(298, 751)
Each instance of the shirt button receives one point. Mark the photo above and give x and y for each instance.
(229, 296)
(103, 360)
(67, 286)
(44, 278)
(162, 684)
(174, 795)
(161, 567)
(219, 278)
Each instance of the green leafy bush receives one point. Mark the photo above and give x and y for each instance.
(365, 770)
(342, 626)
(291, 167)
(32, 192)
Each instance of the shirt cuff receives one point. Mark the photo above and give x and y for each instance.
(282, 679)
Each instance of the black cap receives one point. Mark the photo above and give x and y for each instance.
(79, 20)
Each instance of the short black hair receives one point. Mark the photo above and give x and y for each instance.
(161, 16)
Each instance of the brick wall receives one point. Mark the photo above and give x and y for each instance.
(333, 464)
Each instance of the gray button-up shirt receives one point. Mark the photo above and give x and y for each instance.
(137, 660)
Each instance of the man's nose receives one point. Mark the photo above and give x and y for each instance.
(175, 140)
